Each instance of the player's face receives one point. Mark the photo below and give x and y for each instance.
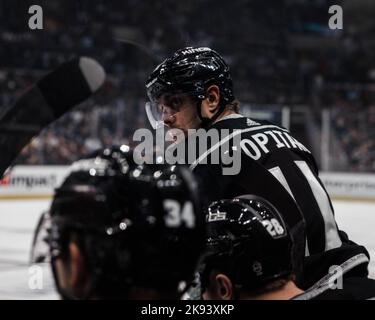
(179, 111)
(71, 273)
(62, 274)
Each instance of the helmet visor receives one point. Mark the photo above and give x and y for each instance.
(166, 107)
(40, 250)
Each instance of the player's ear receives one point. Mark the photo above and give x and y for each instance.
(224, 287)
(211, 103)
(79, 279)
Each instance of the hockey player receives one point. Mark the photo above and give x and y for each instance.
(193, 89)
(117, 230)
(249, 256)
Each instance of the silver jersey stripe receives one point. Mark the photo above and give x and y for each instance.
(324, 284)
(345, 267)
(332, 238)
(227, 138)
(278, 174)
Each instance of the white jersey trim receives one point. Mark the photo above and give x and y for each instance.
(227, 138)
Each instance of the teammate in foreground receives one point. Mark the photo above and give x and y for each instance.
(117, 230)
(249, 256)
(193, 89)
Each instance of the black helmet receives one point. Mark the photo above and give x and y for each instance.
(247, 239)
(140, 225)
(191, 70)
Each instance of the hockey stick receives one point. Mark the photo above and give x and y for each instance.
(44, 102)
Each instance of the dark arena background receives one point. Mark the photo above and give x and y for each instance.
(288, 66)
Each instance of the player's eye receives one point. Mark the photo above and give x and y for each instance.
(175, 103)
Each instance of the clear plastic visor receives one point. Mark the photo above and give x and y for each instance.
(40, 249)
(166, 107)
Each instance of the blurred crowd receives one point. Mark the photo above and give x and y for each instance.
(280, 52)
(353, 119)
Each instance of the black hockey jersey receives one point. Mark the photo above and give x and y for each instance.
(272, 162)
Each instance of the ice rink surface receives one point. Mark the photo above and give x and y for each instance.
(19, 218)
